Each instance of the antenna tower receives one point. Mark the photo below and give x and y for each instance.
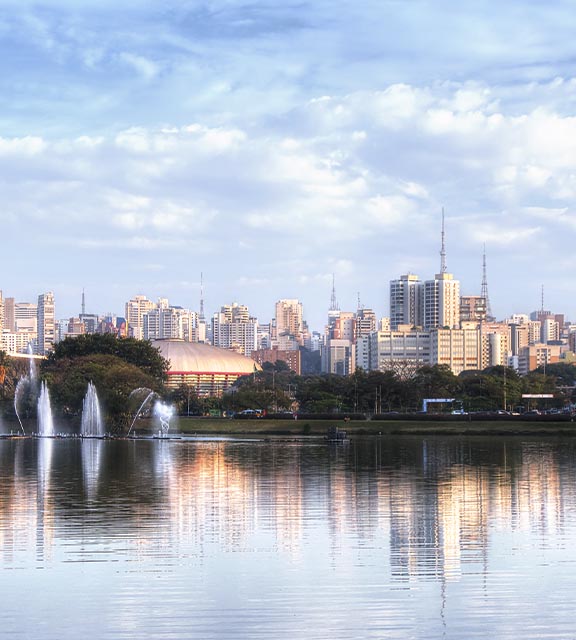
(443, 248)
(484, 287)
(201, 315)
(83, 302)
(333, 302)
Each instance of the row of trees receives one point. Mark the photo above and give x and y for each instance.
(117, 367)
(278, 389)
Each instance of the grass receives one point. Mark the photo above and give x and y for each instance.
(262, 426)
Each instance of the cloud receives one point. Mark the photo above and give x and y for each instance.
(347, 183)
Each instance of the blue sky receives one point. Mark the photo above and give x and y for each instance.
(272, 144)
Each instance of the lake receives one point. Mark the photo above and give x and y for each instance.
(384, 537)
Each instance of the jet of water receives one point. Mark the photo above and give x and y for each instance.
(92, 424)
(45, 421)
(147, 399)
(23, 383)
(163, 412)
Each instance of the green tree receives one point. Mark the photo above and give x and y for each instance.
(139, 353)
(115, 379)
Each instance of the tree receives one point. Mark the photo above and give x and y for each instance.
(115, 379)
(139, 353)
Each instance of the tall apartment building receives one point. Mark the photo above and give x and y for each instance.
(366, 322)
(136, 307)
(9, 318)
(363, 352)
(46, 322)
(289, 324)
(166, 322)
(441, 302)
(429, 305)
(406, 301)
(472, 309)
(342, 326)
(497, 342)
(233, 328)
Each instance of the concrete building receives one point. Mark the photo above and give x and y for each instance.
(233, 328)
(441, 302)
(399, 351)
(17, 342)
(136, 308)
(497, 343)
(363, 352)
(537, 355)
(46, 322)
(366, 322)
(459, 349)
(291, 358)
(406, 301)
(338, 357)
(165, 322)
(472, 309)
(288, 321)
(75, 327)
(550, 330)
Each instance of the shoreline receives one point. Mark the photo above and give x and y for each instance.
(190, 426)
(223, 426)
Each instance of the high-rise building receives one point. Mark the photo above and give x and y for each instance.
(342, 326)
(135, 310)
(166, 322)
(473, 309)
(366, 322)
(289, 322)
(9, 317)
(338, 357)
(405, 301)
(441, 302)
(233, 328)
(46, 321)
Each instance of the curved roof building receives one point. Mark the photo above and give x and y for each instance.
(210, 370)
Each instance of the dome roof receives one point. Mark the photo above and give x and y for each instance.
(193, 357)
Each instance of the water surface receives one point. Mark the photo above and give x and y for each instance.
(383, 538)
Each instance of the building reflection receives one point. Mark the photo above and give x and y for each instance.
(429, 506)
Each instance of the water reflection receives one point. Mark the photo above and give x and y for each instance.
(373, 518)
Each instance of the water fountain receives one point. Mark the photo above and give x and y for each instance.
(163, 412)
(26, 386)
(149, 395)
(45, 421)
(92, 425)
(22, 386)
(33, 375)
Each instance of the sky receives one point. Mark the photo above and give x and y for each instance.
(272, 145)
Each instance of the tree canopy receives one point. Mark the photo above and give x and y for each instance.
(139, 353)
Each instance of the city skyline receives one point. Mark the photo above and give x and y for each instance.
(270, 147)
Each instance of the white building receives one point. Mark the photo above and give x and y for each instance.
(233, 328)
(406, 301)
(46, 320)
(136, 307)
